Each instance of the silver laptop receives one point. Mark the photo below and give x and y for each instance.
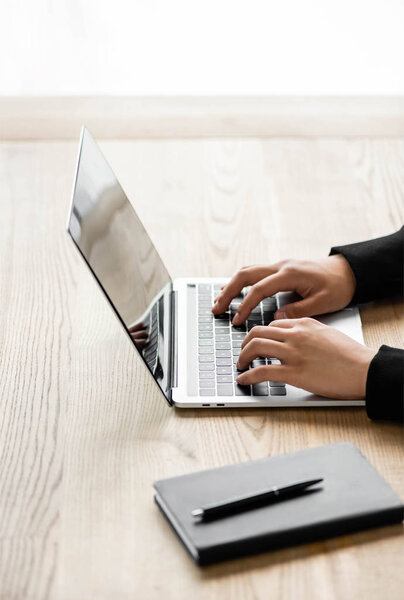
(190, 354)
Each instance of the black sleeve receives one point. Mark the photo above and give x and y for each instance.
(378, 266)
(385, 385)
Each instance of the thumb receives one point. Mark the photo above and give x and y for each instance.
(303, 308)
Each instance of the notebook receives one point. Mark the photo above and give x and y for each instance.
(353, 496)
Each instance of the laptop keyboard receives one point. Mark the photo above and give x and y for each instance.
(219, 346)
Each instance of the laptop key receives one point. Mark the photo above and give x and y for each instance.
(206, 358)
(224, 379)
(276, 384)
(206, 343)
(206, 367)
(242, 390)
(207, 375)
(206, 350)
(238, 328)
(224, 361)
(269, 303)
(260, 389)
(224, 370)
(225, 389)
(258, 362)
(207, 392)
(204, 335)
(222, 346)
(223, 354)
(207, 383)
(237, 372)
(222, 338)
(268, 316)
(278, 391)
(238, 336)
(205, 327)
(254, 322)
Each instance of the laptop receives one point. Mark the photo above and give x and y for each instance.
(190, 354)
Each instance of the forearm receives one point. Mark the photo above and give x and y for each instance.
(378, 266)
(385, 385)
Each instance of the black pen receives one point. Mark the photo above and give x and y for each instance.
(240, 503)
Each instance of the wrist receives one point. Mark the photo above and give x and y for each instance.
(344, 273)
(365, 357)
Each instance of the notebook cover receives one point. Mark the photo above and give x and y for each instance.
(354, 496)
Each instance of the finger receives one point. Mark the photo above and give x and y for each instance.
(285, 323)
(230, 291)
(265, 331)
(307, 307)
(264, 373)
(139, 335)
(279, 282)
(136, 327)
(259, 347)
(246, 276)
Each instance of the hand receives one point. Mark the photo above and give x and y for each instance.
(314, 357)
(325, 285)
(138, 334)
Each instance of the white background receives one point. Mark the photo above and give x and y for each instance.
(147, 47)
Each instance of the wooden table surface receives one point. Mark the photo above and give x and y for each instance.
(83, 430)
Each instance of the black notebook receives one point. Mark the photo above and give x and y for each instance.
(353, 496)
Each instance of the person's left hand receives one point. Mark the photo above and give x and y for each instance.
(317, 358)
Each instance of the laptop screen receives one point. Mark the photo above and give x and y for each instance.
(116, 247)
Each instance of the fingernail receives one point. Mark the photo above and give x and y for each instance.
(236, 319)
(280, 314)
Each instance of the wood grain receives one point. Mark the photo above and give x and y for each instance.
(127, 117)
(83, 431)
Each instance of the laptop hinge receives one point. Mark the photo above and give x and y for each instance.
(173, 341)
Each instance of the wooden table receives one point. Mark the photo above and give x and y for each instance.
(83, 430)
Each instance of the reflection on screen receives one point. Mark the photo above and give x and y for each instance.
(116, 246)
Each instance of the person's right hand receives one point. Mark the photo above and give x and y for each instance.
(325, 285)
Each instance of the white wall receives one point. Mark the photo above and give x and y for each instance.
(201, 47)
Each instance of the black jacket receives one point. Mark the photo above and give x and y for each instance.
(378, 266)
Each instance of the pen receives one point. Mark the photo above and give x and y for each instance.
(274, 493)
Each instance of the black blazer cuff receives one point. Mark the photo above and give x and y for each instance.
(377, 265)
(385, 385)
